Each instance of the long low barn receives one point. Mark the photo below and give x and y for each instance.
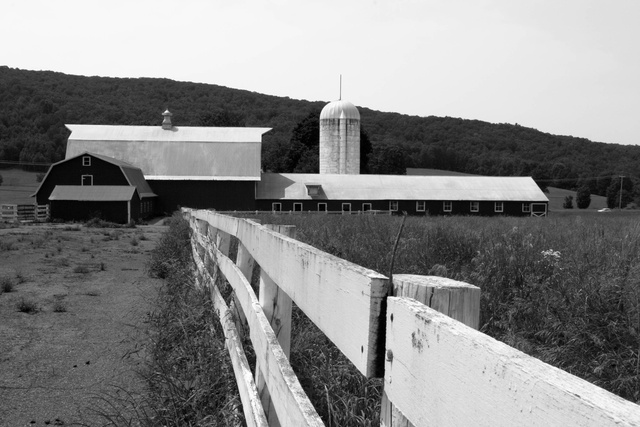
(435, 195)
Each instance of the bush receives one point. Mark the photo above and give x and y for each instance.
(6, 284)
(568, 202)
(27, 306)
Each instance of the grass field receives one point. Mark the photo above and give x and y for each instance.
(17, 187)
(565, 289)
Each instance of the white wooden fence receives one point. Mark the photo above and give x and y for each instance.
(438, 369)
(24, 213)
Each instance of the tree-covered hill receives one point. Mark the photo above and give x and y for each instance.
(35, 105)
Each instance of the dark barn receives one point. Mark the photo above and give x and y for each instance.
(90, 174)
(416, 195)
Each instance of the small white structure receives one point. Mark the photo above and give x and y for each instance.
(340, 138)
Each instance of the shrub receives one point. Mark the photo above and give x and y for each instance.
(6, 284)
(81, 269)
(27, 306)
(59, 307)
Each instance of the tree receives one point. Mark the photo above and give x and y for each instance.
(568, 202)
(0, 179)
(583, 197)
(614, 199)
(387, 160)
(222, 118)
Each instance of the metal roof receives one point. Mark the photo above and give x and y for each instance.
(93, 193)
(209, 153)
(339, 110)
(284, 186)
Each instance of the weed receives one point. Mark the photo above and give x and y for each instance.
(93, 293)
(565, 290)
(81, 269)
(134, 241)
(59, 307)
(188, 372)
(7, 245)
(62, 262)
(27, 306)
(6, 284)
(72, 228)
(103, 267)
(142, 236)
(20, 276)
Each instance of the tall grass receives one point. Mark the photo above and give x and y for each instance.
(565, 290)
(189, 374)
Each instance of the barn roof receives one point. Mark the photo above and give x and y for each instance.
(93, 193)
(179, 153)
(132, 173)
(284, 186)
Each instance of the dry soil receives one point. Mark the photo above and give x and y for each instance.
(87, 335)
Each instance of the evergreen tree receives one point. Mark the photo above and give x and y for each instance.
(583, 197)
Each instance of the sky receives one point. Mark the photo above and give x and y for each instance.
(565, 67)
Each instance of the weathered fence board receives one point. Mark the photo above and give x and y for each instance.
(26, 213)
(458, 300)
(332, 292)
(287, 395)
(439, 372)
(252, 409)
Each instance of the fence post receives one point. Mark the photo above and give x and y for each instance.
(276, 305)
(458, 300)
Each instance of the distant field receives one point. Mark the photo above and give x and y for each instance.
(17, 186)
(556, 199)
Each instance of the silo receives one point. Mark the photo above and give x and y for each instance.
(340, 138)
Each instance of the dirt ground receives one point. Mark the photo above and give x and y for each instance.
(86, 336)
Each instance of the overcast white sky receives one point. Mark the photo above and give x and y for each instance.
(568, 67)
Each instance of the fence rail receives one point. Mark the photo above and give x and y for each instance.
(24, 213)
(419, 335)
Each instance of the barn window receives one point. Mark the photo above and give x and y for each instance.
(276, 207)
(421, 206)
(87, 180)
(86, 161)
(393, 205)
(447, 206)
(499, 206)
(366, 207)
(346, 207)
(526, 207)
(322, 207)
(475, 207)
(297, 207)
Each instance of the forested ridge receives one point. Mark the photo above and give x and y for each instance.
(35, 105)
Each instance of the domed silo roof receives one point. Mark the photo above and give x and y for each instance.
(339, 110)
